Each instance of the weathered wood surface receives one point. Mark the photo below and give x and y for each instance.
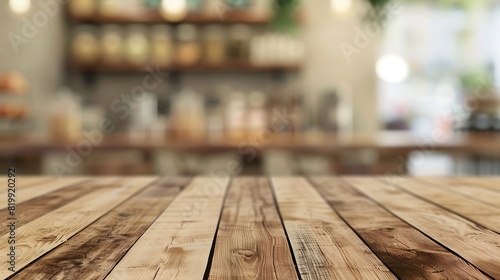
(478, 245)
(251, 242)
(254, 228)
(406, 251)
(324, 245)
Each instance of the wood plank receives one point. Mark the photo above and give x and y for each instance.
(251, 242)
(49, 231)
(481, 213)
(406, 251)
(37, 207)
(470, 190)
(178, 244)
(324, 246)
(92, 253)
(24, 194)
(476, 244)
(492, 183)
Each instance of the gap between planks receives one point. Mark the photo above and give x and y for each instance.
(94, 251)
(178, 244)
(49, 231)
(400, 246)
(325, 247)
(478, 245)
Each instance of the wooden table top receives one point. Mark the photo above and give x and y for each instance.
(254, 228)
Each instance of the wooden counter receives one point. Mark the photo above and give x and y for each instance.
(254, 228)
(391, 142)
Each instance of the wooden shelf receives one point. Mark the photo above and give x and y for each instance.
(227, 67)
(153, 16)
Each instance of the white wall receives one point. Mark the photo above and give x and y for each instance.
(326, 65)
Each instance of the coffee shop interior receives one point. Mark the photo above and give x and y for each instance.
(250, 87)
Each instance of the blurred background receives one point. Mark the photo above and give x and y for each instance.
(250, 87)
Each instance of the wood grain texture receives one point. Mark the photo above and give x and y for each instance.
(476, 244)
(324, 246)
(49, 231)
(251, 242)
(406, 251)
(93, 252)
(470, 190)
(31, 210)
(490, 183)
(178, 244)
(478, 212)
(36, 189)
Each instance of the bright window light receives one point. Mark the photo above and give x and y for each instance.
(392, 68)
(20, 6)
(340, 6)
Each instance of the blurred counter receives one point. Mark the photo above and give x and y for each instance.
(403, 142)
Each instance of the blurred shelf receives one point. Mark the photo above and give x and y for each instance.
(226, 67)
(153, 16)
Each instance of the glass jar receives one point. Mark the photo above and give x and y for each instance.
(162, 47)
(65, 117)
(239, 42)
(109, 7)
(236, 116)
(257, 115)
(82, 8)
(85, 46)
(112, 44)
(188, 50)
(137, 45)
(214, 45)
(188, 116)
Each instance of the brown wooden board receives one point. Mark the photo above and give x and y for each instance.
(251, 242)
(324, 246)
(93, 252)
(405, 250)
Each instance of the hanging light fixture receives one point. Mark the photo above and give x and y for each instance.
(20, 6)
(173, 10)
(341, 6)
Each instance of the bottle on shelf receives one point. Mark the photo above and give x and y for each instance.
(65, 120)
(82, 8)
(187, 121)
(162, 47)
(236, 122)
(239, 42)
(214, 45)
(257, 114)
(112, 45)
(188, 50)
(85, 45)
(137, 45)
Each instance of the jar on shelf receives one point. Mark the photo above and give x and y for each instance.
(257, 114)
(214, 45)
(235, 123)
(82, 8)
(85, 46)
(240, 36)
(137, 45)
(112, 44)
(188, 50)
(188, 116)
(162, 46)
(65, 117)
(109, 7)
